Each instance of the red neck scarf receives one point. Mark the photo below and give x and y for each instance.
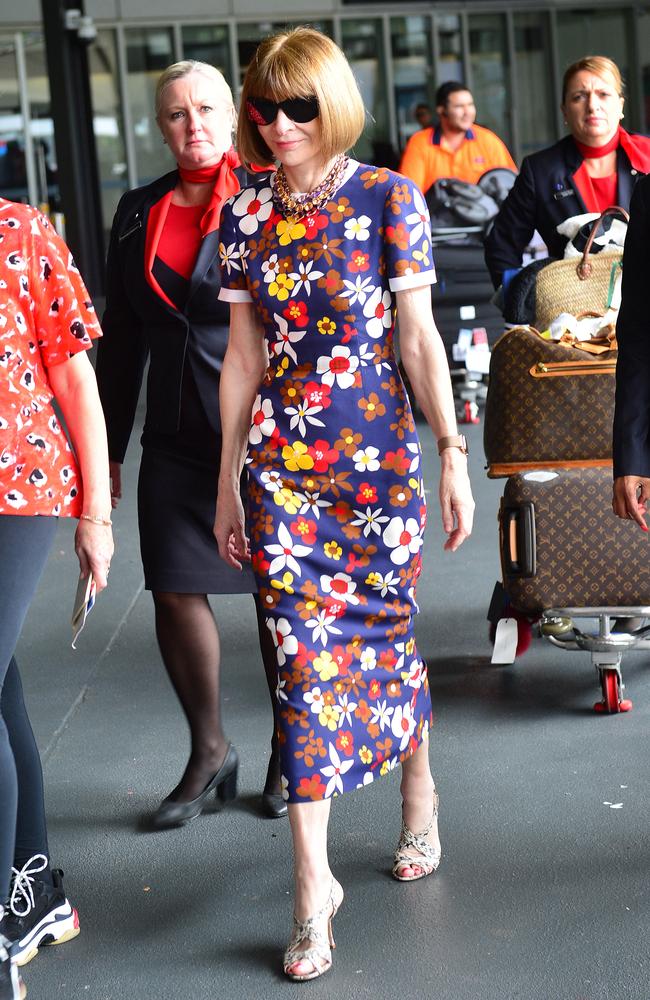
(226, 184)
(595, 152)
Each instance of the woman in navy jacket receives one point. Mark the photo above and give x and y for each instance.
(595, 166)
(162, 305)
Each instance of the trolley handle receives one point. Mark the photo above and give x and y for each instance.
(518, 548)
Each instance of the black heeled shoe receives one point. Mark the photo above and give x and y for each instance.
(223, 784)
(273, 805)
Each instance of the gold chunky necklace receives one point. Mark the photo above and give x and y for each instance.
(297, 206)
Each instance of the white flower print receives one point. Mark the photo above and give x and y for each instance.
(381, 715)
(272, 481)
(413, 676)
(334, 770)
(368, 779)
(253, 207)
(367, 357)
(262, 423)
(357, 290)
(379, 311)
(310, 503)
(284, 640)
(286, 553)
(371, 519)
(271, 268)
(368, 658)
(322, 626)
(357, 229)
(418, 221)
(315, 699)
(339, 367)
(229, 257)
(284, 785)
(302, 415)
(385, 584)
(403, 537)
(304, 276)
(280, 693)
(341, 585)
(346, 708)
(403, 724)
(415, 461)
(365, 459)
(285, 338)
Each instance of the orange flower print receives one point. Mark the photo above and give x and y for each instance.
(372, 406)
(376, 175)
(291, 392)
(348, 442)
(400, 496)
(398, 461)
(311, 788)
(339, 208)
(398, 235)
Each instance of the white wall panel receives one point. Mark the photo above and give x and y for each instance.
(154, 11)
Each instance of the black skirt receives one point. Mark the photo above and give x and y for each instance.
(177, 495)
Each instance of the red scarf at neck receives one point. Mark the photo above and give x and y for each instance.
(595, 152)
(226, 184)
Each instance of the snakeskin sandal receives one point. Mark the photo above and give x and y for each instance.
(318, 930)
(409, 842)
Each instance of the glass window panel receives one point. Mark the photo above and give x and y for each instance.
(148, 52)
(412, 70)
(108, 123)
(643, 23)
(13, 169)
(450, 47)
(209, 44)
(362, 42)
(533, 69)
(489, 61)
(41, 125)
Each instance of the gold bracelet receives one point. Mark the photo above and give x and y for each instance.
(94, 519)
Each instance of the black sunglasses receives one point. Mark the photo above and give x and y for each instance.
(261, 111)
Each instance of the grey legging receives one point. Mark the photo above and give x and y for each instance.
(24, 546)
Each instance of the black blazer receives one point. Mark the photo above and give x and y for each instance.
(544, 195)
(138, 324)
(631, 444)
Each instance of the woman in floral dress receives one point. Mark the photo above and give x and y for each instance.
(337, 508)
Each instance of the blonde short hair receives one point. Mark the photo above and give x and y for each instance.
(302, 63)
(600, 65)
(185, 68)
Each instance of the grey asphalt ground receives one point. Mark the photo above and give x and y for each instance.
(542, 893)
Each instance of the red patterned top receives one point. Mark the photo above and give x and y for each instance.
(46, 317)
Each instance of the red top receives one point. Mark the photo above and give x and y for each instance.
(46, 317)
(181, 238)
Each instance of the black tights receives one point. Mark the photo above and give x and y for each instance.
(189, 644)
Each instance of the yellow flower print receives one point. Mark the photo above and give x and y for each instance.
(333, 550)
(366, 755)
(385, 768)
(281, 287)
(326, 666)
(295, 457)
(329, 717)
(284, 583)
(423, 254)
(282, 367)
(410, 646)
(289, 230)
(372, 579)
(286, 498)
(326, 325)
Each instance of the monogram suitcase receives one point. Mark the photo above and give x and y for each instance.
(562, 546)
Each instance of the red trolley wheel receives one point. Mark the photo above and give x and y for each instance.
(612, 701)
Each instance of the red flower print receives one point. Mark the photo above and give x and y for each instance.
(272, 221)
(259, 562)
(296, 313)
(313, 224)
(387, 659)
(345, 742)
(374, 689)
(317, 394)
(359, 262)
(342, 658)
(366, 494)
(398, 461)
(335, 607)
(348, 333)
(305, 529)
(277, 440)
(398, 235)
(311, 787)
(323, 455)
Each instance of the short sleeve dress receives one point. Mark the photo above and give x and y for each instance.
(336, 498)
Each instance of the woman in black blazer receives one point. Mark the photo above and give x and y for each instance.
(162, 305)
(595, 166)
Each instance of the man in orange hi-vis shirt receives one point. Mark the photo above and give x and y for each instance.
(456, 147)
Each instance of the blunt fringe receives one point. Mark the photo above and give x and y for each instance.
(302, 63)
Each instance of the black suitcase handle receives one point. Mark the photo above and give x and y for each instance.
(518, 548)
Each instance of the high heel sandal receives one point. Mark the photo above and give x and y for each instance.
(429, 856)
(223, 784)
(318, 930)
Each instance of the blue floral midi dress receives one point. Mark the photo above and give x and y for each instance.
(336, 498)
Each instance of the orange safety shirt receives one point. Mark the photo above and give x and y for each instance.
(427, 157)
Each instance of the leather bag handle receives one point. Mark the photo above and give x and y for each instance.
(583, 269)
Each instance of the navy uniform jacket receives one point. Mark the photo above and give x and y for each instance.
(138, 324)
(545, 194)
